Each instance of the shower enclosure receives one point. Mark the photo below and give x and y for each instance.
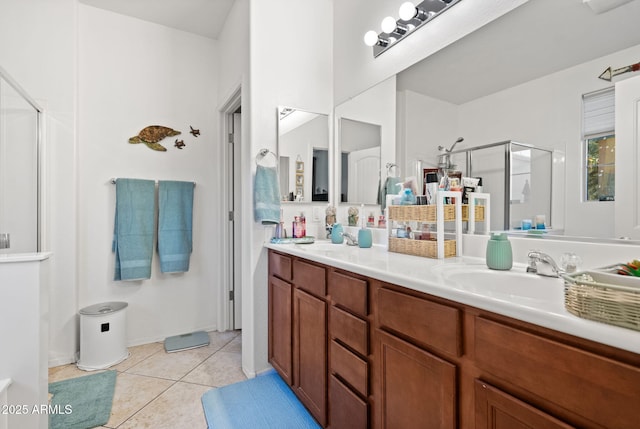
(517, 175)
(20, 135)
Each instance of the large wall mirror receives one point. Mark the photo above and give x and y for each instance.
(303, 155)
(510, 81)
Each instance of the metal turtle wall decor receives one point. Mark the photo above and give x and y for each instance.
(194, 132)
(151, 136)
(179, 144)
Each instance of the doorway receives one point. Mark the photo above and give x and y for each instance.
(231, 314)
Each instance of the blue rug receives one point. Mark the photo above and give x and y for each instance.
(82, 402)
(264, 402)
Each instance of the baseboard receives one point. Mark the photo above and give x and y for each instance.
(67, 359)
(147, 340)
(61, 360)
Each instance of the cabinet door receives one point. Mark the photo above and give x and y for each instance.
(280, 327)
(498, 410)
(346, 409)
(310, 353)
(414, 389)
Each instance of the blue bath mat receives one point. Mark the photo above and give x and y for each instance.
(83, 402)
(186, 341)
(264, 402)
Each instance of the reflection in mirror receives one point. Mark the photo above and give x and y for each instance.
(360, 155)
(518, 177)
(303, 145)
(528, 86)
(367, 120)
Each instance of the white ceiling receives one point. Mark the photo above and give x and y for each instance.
(536, 39)
(202, 17)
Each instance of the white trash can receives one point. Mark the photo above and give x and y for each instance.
(102, 335)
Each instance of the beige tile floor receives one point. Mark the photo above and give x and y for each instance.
(155, 389)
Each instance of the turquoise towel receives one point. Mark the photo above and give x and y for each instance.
(266, 193)
(390, 188)
(175, 219)
(133, 228)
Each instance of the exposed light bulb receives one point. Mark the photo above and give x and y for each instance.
(370, 38)
(388, 24)
(407, 11)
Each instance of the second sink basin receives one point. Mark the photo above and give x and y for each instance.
(510, 285)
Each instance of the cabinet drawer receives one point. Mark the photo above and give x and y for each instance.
(601, 390)
(349, 292)
(346, 409)
(280, 265)
(310, 277)
(349, 367)
(349, 329)
(425, 322)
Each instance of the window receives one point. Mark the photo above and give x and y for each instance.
(598, 133)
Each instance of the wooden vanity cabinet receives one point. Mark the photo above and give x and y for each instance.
(360, 353)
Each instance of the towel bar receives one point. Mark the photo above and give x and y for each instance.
(114, 179)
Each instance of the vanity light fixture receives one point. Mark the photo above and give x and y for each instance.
(411, 18)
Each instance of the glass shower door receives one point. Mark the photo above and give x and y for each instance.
(19, 178)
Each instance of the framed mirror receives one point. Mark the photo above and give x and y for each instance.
(303, 154)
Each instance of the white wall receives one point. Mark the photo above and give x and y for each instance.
(37, 47)
(355, 67)
(132, 74)
(291, 65)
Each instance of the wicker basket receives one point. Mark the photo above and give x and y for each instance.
(479, 213)
(609, 303)
(427, 213)
(420, 213)
(426, 248)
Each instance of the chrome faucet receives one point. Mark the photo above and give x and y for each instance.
(542, 264)
(351, 240)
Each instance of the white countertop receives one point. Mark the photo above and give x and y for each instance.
(24, 257)
(544, 307)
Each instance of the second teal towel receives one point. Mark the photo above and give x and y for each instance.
(175, 218)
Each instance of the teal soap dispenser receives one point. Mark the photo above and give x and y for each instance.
(365, 239)
(499, 253)
(336, 234)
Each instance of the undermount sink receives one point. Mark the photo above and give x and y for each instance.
(325, 246)
(511, 285)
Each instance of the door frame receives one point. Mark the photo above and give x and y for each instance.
(231, 269)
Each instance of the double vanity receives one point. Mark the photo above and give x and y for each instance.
(368, 338)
